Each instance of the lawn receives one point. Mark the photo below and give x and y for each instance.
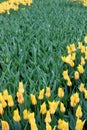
(32, 41)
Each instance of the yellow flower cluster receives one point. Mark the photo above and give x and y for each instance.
(6, 6)
(47, 108)
(77, 64)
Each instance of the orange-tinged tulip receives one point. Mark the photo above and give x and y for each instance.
(20, 98)
(76, 75)
(5, 125)
(1, 109)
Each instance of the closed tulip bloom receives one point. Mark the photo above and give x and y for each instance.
(60, 92)
(79, 124)
(69, 83)
(1, 109)
(63, 58)
(41, 94)
(81, 87)
(5, 125)
(25, 114)
(74, 99)
(10, 101)
(48, 93)
(20, 98)
(33, 126)
(48, 126)
(80, 69)
(48, 117)
(62, 107)
(21, 87)
(79, 112)
(76, 75)
(5, 94)
(2, 100)
(65, 75)
(33, 99)
(31, 117)
(82, 61)
(43, 108)
(4, 104)
(16, 116)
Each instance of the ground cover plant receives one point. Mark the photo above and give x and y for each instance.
(43, 84)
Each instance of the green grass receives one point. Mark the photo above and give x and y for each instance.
(33, 40)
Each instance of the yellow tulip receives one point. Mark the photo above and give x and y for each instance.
(16, 116)
(21, 87)
(60, 92)
(25, 114)
(63, 125)
(80, 69)
(10, 101)
(41, 94)
(43, 108)
(76, 75)
(48, 117)
(53, 106)
(48, 126)
(33, 99)
(79, 112)
(20, 98)
(48, 93)
(79, 124)
(81, 87)
(74, 99)
(62, 107)
(5, 125)
(5, 94)
(1, 109)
